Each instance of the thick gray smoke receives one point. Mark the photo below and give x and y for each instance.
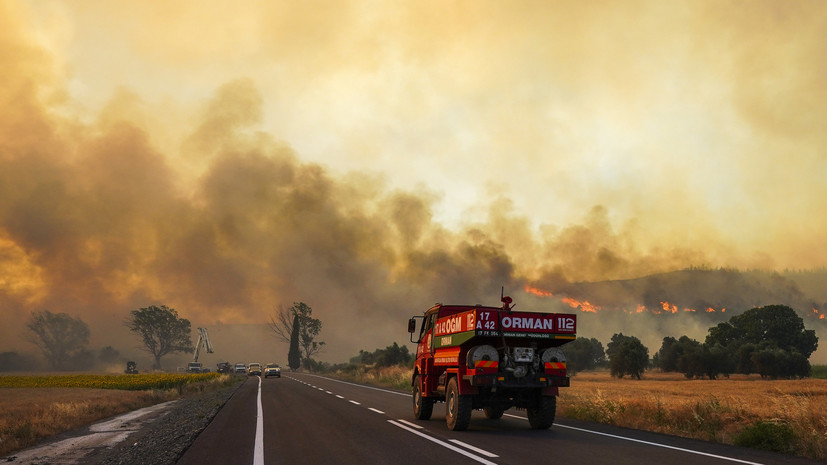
(118, 192)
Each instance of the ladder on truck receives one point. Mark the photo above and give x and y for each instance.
(203, 339)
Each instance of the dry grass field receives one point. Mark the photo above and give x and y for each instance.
(788, 415)
(30, 414)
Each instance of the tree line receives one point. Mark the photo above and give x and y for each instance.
(62, 339)
(770, 341)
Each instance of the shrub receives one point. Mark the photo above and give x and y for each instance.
(767, 435)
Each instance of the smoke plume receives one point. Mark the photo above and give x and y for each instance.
(370, 161)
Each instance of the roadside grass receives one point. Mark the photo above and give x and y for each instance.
(787, 416)
(43, 406)
(396, 376)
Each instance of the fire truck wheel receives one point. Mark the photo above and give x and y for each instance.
(493, 413)
(457, 407)
(423, 406)
(542, 416)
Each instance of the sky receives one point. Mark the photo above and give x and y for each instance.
(371, 158)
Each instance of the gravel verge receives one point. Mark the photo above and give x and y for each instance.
(165, 440)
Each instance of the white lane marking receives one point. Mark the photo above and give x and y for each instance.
(649, 443)
(412, 425)
(329, 392)
(475, 449)
(406, 394)
(376, 410)
(354, 402)
(443, 444)
(258, 451)
(340, 397)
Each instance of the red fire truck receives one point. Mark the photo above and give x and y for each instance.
(491, 358)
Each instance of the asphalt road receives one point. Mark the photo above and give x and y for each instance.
(307, 419)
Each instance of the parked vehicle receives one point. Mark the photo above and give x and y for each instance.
(131, 368)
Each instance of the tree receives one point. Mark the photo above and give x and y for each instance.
(58, 336)
(667, 357)
(389, 356)
(778, 324)
(12, 361)
(294, 356)
(755, 336)
(283, 325)
(584, 354)
(627, 356)
(162, 331)
(109, 355)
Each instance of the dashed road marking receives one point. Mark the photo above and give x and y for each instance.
(442, 443)
(475, 449)
(412, 425)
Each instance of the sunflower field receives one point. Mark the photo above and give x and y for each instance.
(139, 382)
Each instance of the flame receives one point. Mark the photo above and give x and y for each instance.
(537, 291)
(583, 306)
(667, 307)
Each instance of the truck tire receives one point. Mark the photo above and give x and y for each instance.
(493, 413)
(457, 407)
(542, 416)
(423, 406)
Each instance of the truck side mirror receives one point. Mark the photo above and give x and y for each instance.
(412, 328)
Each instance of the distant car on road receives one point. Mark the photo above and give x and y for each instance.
(272, 369)
(254, 369)
(240, 368)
